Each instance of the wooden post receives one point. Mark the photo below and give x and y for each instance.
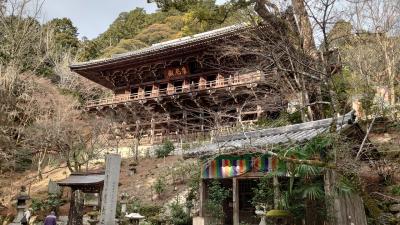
(137, 141)
(140, 92)
(185, 86)
(277, 193)
(259, 111)
(99, 195)
(170, 88)
(184, 117)
(220, 80)
(75, 216)
(155, 90)
(235, 193)
(168, 127)
(152, 131)
(202, 192)
(202, 121)
(202, 83)
(239, 115)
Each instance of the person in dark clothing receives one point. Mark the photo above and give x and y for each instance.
(51, 219)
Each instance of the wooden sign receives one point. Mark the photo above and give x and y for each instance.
(179, 71)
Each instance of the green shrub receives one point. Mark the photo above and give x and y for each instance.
(23, 160)
(159, 186)
(186, 146)
(178, 215)
(42, 206)
(264, 193)
(165, 149)
(151, 213)
(396, 190)
(217, 194)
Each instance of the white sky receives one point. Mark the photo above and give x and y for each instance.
(92, 17)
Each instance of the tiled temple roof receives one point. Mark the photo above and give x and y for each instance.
(297, 133)
(177, 43)
(77, 179)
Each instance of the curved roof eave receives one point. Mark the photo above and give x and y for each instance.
(163, 47)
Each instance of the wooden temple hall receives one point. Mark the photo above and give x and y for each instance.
(181, 87)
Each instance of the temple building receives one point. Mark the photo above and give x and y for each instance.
(192, 88)
(185, 87)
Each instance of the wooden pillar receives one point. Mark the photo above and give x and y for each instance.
(215, 130)
(239, 115)
(185, 86)
(170, 88)
(202, 121)
(235, 200)
(220, 80)
(184, 118)
(277, 193)
(75, 216)
(140, 92)
(202, 199)
(168, 128)
(99, 195)
(152, 131)
(259, 111)
(155, 90)
(137, 140)
(202, 83)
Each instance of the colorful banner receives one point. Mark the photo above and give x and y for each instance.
(232, 166)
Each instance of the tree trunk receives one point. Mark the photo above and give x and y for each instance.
(277, 193)
(262, 10)
(304, 27)
(342, 209)
(39, 170)
(136, 149)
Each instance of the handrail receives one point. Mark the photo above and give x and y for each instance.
(214, 84)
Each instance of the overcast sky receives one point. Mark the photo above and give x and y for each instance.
(92, 17)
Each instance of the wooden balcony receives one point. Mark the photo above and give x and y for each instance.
(202, 85)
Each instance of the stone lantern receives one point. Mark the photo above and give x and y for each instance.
(22, 198)
(124, 202)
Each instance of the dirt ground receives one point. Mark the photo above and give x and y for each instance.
(137, 185)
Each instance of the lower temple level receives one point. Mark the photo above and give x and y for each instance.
(238, 207)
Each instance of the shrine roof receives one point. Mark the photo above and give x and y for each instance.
(185, 42)
(297, 133)
(82, 179)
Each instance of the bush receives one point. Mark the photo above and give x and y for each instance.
(396, 190)
(165, 149)
(159, 186)
(178, 215)
(264, 193)
(151, 213)
(216, 196)
(42, 206)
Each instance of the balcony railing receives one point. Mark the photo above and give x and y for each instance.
(240, 80)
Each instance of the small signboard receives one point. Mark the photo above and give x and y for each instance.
(178, 71)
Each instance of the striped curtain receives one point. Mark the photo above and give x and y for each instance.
(232, 166)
